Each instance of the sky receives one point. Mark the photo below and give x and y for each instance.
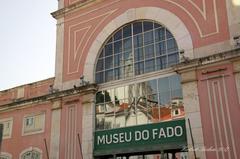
(27, 41)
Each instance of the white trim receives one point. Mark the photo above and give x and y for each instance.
(33, 131)
(6, 154)
(10, 120)
(175, 26)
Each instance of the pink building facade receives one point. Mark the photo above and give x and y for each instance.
(125, 68)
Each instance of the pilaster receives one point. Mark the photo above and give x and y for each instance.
(55, 130)
(192, 112)
(88, 125)
(236, 68)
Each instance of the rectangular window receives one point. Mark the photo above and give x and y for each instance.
(7, 127)
(33, 124)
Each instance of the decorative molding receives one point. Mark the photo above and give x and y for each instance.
(78, 91)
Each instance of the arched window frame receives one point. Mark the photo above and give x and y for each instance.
(31, 149)
(6, 155)
(103, 74)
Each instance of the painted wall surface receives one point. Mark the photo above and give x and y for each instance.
(220, 111)
(71, 126)
(206, 21)
(18, 143)
(26, 91)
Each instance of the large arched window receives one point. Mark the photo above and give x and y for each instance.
(136, 48)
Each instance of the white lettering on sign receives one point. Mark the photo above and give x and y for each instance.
(138, 135)
(178, 131)
(154, 134)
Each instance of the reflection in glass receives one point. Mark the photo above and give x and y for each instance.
(117, 47)
(138, 40)
(141, 41)
(151, 86)
(109, 62)
(127, 31)
(127, 44)
(148, 37)
(139, 68)
(150, 65)
(149, 51)
(137, 27)
(108, 50)
(140, 103)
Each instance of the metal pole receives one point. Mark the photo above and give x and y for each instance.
(45, 142)
(1, 136)
(190, 128)
(79, 141)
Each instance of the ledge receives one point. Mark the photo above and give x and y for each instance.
(219, 57)
(81, 90)
(61, 12)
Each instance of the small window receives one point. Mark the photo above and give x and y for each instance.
(7, 127)
(33, 124)
(176, 112)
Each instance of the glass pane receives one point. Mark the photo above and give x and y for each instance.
(101, 54)
(100, 65)
(140, 89)
(99, 97)
(169, 35)
(160, 48)
(164, 90)
(110, 40)
(148, 37)
(117, 47)
(100, 121)
(151, 87)
(118, 60)
(138, 54)
(118, 35)
(108, 50)
(149, 51)
(160, 34)
(147, 26)
(120, 111)
(100, 77)
(175, 83)
(129, 91)
(128, 57)
(150, 65)
(109, 62)
(161, 62)
(138, 40)
(157, 25)
(109, 95)
(131, 118)
(119, 93)
(118, 73)
(137, 27)
(139, 68)
(128, 71)
(109, 120)
(171, 45)
(173, 59)
(127, 44)
(109, 75)
(127, 31)
(142, 112)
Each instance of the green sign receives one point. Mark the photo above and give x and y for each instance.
(151, 137)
